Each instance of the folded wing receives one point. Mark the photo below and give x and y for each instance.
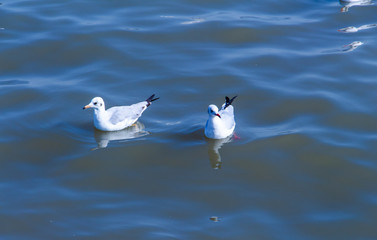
(127, 113)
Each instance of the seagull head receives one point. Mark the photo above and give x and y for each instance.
(96, 103)
(213, 111)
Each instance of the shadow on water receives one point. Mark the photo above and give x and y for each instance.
(132, 132)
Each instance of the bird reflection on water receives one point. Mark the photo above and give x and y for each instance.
(103, 138)
(214, 146)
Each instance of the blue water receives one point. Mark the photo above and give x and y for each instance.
(302, 165)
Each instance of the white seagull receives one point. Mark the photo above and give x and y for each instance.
(220, 124)
(119, 117)
(352, 46)
(353, 29)
(350, 3)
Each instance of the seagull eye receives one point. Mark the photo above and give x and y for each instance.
(95, 103)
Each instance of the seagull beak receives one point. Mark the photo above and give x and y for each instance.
(87, 106)
(218, 115)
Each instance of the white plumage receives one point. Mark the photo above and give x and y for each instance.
(220, 123)
(119, 117)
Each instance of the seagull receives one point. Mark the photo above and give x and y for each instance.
(220, 124)
(352, 46)
(119, 117)
(350, 3)
(353, 29)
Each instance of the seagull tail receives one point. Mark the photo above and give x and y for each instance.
(228, 101)
(151, 99)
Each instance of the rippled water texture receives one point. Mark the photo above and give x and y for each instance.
(303, 164)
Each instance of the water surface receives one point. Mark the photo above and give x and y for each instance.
(302, 167)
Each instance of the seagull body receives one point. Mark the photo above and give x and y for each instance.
(352, 46)
(353, 29)
(350, 3)
(220, 123)
(119, 117)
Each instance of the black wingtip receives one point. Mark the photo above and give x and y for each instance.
(151, 99)
(228, 101)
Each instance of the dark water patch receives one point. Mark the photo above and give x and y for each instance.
(13, 82)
